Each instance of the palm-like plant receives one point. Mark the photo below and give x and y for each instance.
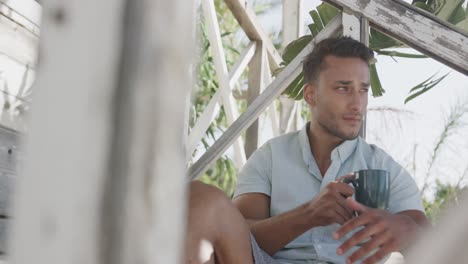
(448, 10)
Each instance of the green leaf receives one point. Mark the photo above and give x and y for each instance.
(423, 6)
(458, 15)
(376, 86)
(378, 40)
(424, 87)
(296, 46)
(327, 12)
(448, 9)
(313, 29)
(394, 53)
(295, 88)
(317, 20)
(463, 24)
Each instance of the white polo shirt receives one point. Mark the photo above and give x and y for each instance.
(284, 169)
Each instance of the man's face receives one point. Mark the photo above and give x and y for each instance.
(338, 100)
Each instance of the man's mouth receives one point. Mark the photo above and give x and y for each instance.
(352, 118)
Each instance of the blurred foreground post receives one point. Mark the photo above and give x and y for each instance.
(104, 180)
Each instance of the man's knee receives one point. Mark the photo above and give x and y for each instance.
(206, 196)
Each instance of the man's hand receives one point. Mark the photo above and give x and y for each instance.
(383, 231)
(330, 206)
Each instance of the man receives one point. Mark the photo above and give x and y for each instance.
(290, 193)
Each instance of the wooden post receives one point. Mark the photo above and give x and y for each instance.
(293, 28)
(256, 86)
(357, 27)
(104, 180)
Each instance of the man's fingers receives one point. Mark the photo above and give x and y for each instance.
(370, 246)
(351, 225)
(342, 204)
(342, 188)
(356, 206)
(344, 212)
(359, 237)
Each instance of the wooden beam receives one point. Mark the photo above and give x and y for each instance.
(205, 119)
(17, 43)
(256, 86)
(261, 103)
(248, 22)
(100, 167)
(229, 103)
(415, 28)
(26, 14)
(293, 25)
(357, 27)
(272, 112)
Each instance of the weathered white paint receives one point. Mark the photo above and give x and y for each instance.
(256, 85)
(229, 104)
(357, 27)
(17, 43)
(261, 103)
(416, 28)
(101, 166)
(208, 115)
(248, 22)
(293, 28)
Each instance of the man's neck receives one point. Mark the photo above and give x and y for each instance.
(321, 145)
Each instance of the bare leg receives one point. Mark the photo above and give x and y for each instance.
(216, 229)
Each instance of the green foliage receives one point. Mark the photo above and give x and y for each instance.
(424, 87)
(451, 11)
(445, 195)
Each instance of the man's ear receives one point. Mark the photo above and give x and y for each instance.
(310, 94)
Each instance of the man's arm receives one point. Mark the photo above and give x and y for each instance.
(273, 233)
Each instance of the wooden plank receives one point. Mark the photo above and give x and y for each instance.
(293, 25)
(203, 122)
(416, 28)
(11, 154)
(248, 22)
(256, 84)
(229, 103)
(104, 167)
(4, 234)
(261, 103)
(357, 27)
(17, 43)
(24, 12)
(68, 150)
(272, 113)
(240, 65)
(293, 21)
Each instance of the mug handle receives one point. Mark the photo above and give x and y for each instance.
(352, 181)
(355, 184)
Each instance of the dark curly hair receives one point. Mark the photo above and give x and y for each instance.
(344, 47)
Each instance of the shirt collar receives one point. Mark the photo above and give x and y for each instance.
(341, 152)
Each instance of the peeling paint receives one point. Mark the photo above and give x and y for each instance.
(363, 4)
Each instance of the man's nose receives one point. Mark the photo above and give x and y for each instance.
(356, 101)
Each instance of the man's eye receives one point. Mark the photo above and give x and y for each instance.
(342, 89)
(365, 90)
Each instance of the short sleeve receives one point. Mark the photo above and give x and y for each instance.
(255, 176)
(404, 193)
